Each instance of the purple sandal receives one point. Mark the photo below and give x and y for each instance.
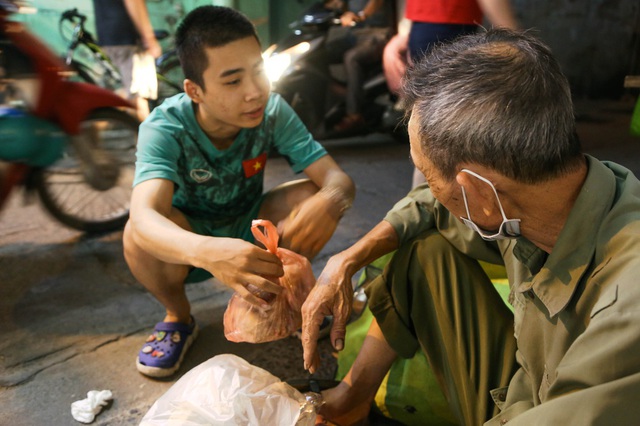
(164, 350)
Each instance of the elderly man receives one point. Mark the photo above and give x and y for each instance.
(492, 129)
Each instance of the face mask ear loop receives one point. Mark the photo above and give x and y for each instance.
(488, 182)
(466, 203)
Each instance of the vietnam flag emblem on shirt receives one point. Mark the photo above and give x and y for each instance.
(254, 166)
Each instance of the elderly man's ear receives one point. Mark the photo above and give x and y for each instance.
(480, 195)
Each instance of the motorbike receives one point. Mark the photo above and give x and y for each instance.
(306, 71)
(71, 143)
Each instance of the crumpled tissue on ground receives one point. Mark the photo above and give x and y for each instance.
(85, 410)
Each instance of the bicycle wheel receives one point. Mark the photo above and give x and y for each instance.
(89, 187)
(97, 74)
(170, 78)
(82, 75)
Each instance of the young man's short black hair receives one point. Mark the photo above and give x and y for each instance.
(208, 26)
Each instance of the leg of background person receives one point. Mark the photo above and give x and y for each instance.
(122, 58)
(432, 291)
(163, 280)
(368, 51)
(142, 106)
(353, 61)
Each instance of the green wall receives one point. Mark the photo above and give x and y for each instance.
(165, 14)
(282, 13)
(271, 18)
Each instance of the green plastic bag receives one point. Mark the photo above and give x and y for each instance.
(635, 120)
(409, 392)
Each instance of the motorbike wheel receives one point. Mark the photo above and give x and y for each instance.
(307, 111)
(89, 187)
(170, 78)
(306, 94)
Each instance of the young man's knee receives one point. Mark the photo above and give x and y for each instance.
(130, 248)
(281, 200)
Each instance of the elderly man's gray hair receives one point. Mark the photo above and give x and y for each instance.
(498, 99)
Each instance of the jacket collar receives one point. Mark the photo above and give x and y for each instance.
(556, 276)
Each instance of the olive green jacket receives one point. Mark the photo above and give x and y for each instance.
(576, 310)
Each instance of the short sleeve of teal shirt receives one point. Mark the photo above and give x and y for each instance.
(212, 183)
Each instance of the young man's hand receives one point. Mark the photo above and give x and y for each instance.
(242, 266)
(312, 222)
(310, 225)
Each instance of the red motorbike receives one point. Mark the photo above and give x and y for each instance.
(71, 143)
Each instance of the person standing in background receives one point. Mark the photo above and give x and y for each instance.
(372, 28)
(442, 21)
(124, 29)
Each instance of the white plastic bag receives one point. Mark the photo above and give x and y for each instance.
(227, 390)
(144, 82)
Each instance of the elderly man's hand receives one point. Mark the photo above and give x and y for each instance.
(332, 295)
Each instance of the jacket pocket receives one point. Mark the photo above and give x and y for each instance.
(499, 396)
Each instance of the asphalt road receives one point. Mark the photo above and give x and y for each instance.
(73, 318)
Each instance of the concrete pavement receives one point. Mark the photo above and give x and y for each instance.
(73, 318)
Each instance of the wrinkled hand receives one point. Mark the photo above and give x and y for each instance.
(243, 266)
(309, 226)
(332, 295)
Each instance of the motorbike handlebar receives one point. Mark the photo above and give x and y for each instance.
(322, 19)
(71, 14)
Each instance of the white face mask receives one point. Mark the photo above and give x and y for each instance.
(509, 228)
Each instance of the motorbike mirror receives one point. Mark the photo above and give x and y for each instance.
(161, 34)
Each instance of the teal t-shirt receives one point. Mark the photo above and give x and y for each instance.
(219, 184)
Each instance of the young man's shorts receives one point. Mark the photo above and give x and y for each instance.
(240, 227)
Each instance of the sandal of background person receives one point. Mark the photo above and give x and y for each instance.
(165, 349)
(349, 123)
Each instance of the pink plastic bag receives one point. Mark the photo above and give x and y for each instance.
(244, 322)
